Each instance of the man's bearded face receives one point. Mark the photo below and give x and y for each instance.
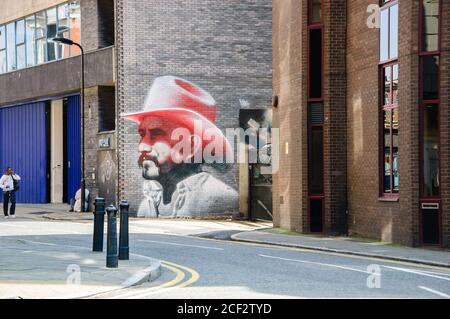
(156, 147)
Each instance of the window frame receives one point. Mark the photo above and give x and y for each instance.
(393, 195)
(387, 6)
(71, 53)
(3, 26)
(426, 102)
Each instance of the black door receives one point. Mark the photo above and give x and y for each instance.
(260, 194)
(430, 218)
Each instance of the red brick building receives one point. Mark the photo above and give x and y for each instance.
(363, 90)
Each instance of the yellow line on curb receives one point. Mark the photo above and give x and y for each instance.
(178, 278)
(194, 274)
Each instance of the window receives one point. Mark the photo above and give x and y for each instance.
(52, 29)
(20, 42)
(389, 32)
(389, 177)
(316, 11)
(63, 30)
(27, 41)
(11, 46)
(430, 151)
(430, 98)
(390, 180)
(40, 38)
(315, 63)
(430, 74)
(30, 39)
(316, 192)
(430, 25)
(75, 25)
(2, 49)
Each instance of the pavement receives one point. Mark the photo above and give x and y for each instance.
(38, 261)
(348, 246)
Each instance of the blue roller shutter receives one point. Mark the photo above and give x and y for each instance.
(73, 145)
(23, 146)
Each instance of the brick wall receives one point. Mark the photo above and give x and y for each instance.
(369, 216)
(224, 47)
(290, 187)
(335, 111)
(445, 122)
(97, 19)
(94, 97)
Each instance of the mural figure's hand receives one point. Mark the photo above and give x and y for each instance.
(153, 191)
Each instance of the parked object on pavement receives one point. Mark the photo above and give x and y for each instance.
(77, 205)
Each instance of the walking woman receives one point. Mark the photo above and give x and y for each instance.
(9, 185)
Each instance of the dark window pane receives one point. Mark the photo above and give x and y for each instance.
(430, 25)
(315, 60)
(11, 46)
(430, 69)
(384, 35)
(316, 11)
(393, 32)
(2, 37)
(30, 40)
(387, 78)
(395, 84)
(316, 164)
(316, 215)
(430, 151)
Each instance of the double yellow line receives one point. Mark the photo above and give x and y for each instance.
(179, 270)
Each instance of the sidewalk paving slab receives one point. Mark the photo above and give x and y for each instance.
(349, 246)
(44, 270)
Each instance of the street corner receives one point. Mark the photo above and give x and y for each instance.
(42, 268)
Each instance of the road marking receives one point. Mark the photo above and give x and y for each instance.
(175, 283)
(176, 244)
(316, 263)
(434, 292)
(38, 242)
(194, 275)
(417, 272)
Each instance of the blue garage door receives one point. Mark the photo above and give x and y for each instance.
(23, 147)
(73, 145)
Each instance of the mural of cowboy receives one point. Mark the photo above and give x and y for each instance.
(175, 184)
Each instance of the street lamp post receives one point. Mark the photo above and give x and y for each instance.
(83, 181)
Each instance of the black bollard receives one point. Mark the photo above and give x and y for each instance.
(112, 260)
(99, 224)
(124, 249)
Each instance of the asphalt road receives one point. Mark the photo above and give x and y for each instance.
(196, 267)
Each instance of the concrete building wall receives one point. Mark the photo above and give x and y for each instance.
(223, 47)
(12, 10)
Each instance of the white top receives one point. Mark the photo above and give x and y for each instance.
(6, 182)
